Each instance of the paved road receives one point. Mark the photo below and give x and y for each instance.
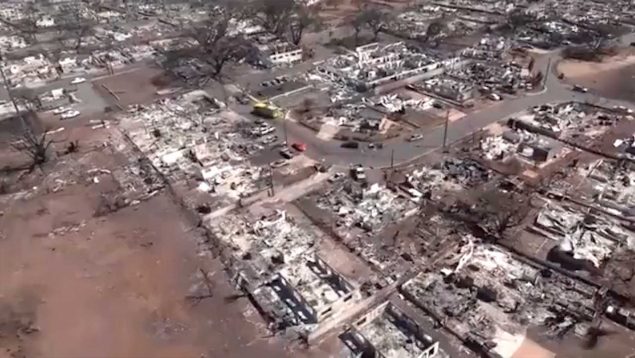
(331, 151)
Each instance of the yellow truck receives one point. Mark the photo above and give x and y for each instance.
(267, 110)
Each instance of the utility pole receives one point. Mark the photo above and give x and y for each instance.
(445, 130)
(392, 159)
(284, 128)
(273, 190)
(544, 83)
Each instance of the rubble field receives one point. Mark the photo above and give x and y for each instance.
(280, 261)
(181, 209)
(496, 314)
(358, 216)
(195, 142)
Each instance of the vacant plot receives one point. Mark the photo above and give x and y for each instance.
(116, 283)
(130, 87)
(614, 77)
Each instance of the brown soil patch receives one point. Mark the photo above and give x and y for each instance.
(76, 285)
(136, 86)
(341, 11)
(532, 349)
(614, 77)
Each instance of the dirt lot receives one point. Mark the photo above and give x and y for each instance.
(341, 11)
(614, 77)
(79, 285)
(131, 87)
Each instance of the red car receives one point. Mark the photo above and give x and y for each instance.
(300, 147)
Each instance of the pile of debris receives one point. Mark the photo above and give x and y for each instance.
(370, 209)
(276, 262)
(395, 103)
(490, 75)
(372, 65)
(613, 185)
(193, 136)
(485, 294)
(465, 172)
(582, 237)
(448, 87)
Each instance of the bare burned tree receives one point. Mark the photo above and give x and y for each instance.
(209, 286)
(302, 20)
(358, 24)
(307, 105)
(519, 18)
(375, 19)
(230, 49)
(216, 26)
(36, 147)
(72, 147)
(26, 97)
(73, 28)
(498, 211)
(214, 56)
(29, 29)
(274, 15)
(434, 29)
(334, 4)
(27, 26)
(216, 45)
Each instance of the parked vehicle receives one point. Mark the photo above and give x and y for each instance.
(70, 114)
(60, 110)
(78, 80)
(269, 139)
(415, 137)
(578, 88)
(263, 130)
(350, 145)
(286, 153)
(300, 147)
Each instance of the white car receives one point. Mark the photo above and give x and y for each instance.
(415, 137)
(70, 114)
(266, 130)
(78, 80)
(269, 139)
(60, 110)
(494, 97)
